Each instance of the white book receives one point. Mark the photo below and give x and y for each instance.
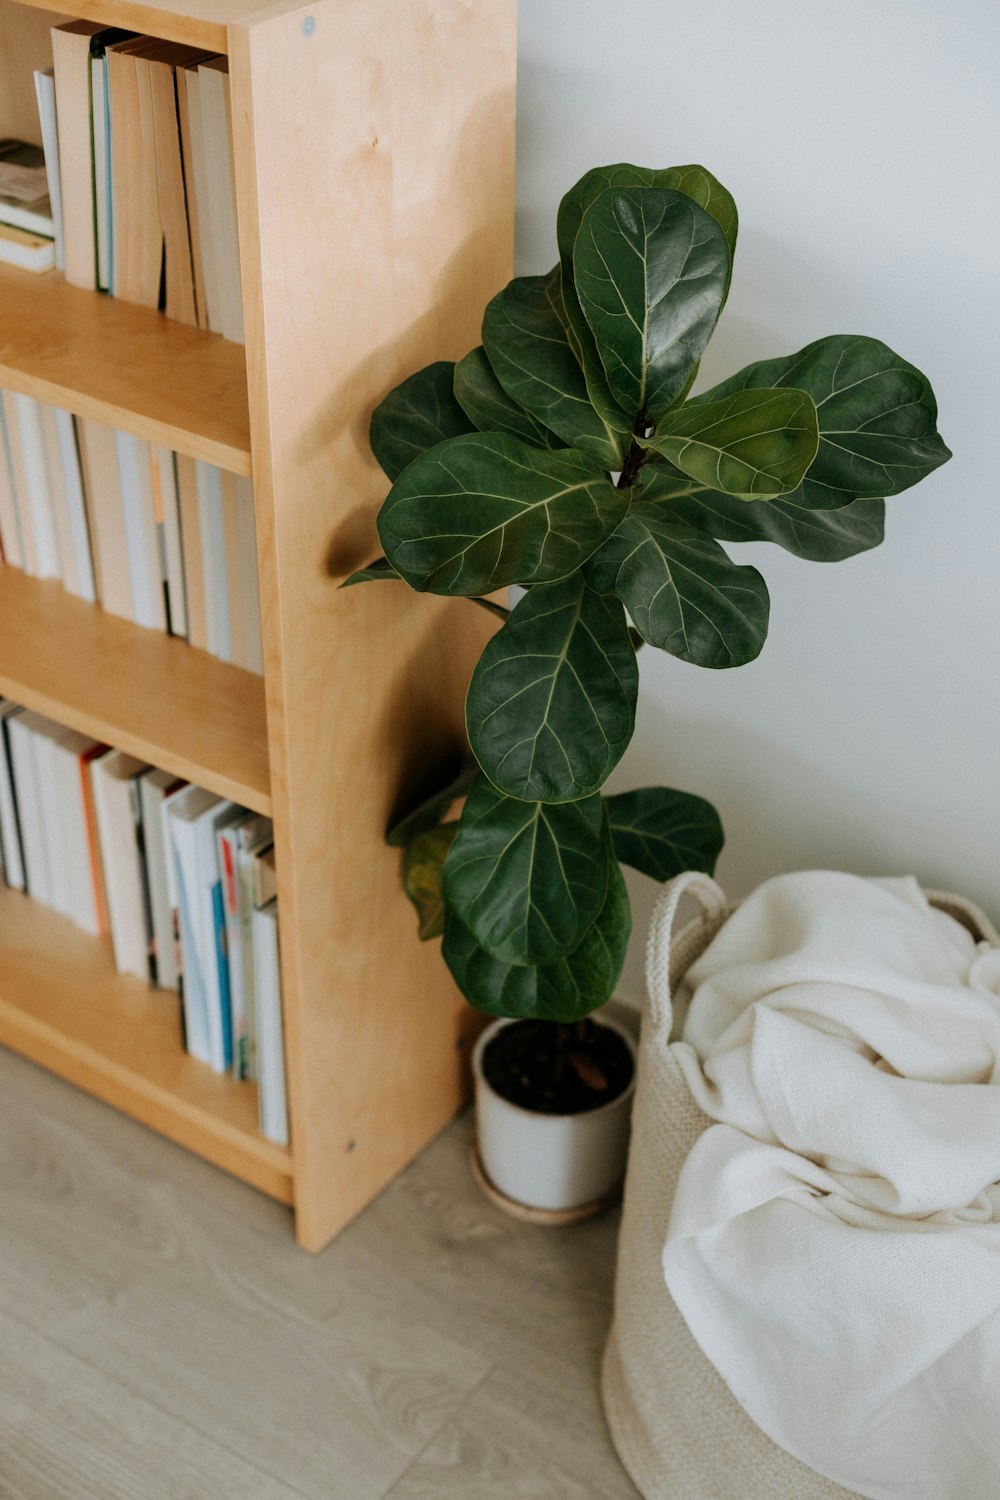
(212, 913)
(270, 1037)
(68, 748)
(115, 802)
(49, 777)
(10, 521)
(102, 169)
(253, 652)
(249, 832)
(211, 527)
(27, 792)
(27, 414)
(29, 252)
(45, 93)
(10, 832)
(140, 531)
(83, 584)
(182, 844)
(155, 789)
(165, 488)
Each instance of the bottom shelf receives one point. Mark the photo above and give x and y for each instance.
(62, 1005)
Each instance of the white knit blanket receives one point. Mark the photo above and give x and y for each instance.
(834, 1244)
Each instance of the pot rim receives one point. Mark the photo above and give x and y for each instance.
(486, 1036)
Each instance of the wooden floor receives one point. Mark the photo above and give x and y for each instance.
(161, 1338)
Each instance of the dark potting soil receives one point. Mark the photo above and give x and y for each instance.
(558, 1070)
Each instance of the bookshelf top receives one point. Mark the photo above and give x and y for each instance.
(200, 23)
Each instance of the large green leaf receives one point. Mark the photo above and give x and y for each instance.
(683, 593)
(755, 444)
(528, 348)
(694, 181)
(380, 569)
(527, 878)
(651, 271)
(422, 869)
(567, 989)
(488, 406)
(877, 418)
(551, 704)
(416, 415)
(429, 812)
(483, 511)
(662, 832)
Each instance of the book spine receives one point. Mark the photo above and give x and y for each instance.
(10, 827)
(45, 93)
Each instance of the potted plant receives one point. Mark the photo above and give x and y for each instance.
(566, 455)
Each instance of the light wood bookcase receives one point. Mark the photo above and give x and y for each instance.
(374, 146)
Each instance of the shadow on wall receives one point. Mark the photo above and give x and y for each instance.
(780, 812)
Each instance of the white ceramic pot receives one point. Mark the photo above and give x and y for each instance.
(551, 1162)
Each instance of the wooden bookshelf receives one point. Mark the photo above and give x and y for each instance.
(126, 366)
(374, 159)
(63, 1005)
(164, 701)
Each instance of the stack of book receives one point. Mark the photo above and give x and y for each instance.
(183, 880)
(27, 227)
(138, 143)
(163, 540)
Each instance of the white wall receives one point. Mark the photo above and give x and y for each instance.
(860, 140)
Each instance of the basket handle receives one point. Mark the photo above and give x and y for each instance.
(712, 900)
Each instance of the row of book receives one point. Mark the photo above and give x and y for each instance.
(183, 880)
(164, 540)
(138, 149)
(26, 224)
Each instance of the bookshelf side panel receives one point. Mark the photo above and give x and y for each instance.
(375, 161)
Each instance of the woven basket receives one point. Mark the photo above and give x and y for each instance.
(678, 1430)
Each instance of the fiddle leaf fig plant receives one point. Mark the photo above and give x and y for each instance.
(566, 455)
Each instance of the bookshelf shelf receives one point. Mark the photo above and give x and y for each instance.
(124, 365)
(140, 690)
(373, 150)
(62, 1005)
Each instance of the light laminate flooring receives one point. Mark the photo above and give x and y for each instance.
(162, 1338)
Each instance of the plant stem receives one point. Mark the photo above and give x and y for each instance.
(631, 466)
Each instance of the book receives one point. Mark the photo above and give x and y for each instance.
(100, 118)
(248, 833)
(25, 420)
(10, 521)
(26, 250)
(71, 47)
(211, 150)
(77, 560)
(116, 800)
(161, 60)
(10, 831)
(50, 776)
(197, 948)
(45, 95)
(24, 189)
(102, 486)
(141, 540)
(194, 575)
(270, 1040)
(72, 753)
(136, 229)
(212, 533)
(155, 788)
(28, 791)
(166, 505)
(188, 120)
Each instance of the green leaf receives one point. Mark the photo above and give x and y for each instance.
(651, 271)
(754, 444)
(422, 869)
(416, 415)
(877, 418)
(551, 704)
(683, 593)
(662, 832)
(528, 348)
(429, 812)
(567, 989)
(816, 535)
(381, 568)
(527, 878)
(483, 511)
(490, 409)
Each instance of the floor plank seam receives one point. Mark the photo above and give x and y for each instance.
(452, 1417)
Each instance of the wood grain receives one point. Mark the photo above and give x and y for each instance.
(63, 1005)
(201, 23)
(150, 694)
(376, 216)
(124, 365)
(26, 46)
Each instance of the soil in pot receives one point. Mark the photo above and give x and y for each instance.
(558, 1070)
